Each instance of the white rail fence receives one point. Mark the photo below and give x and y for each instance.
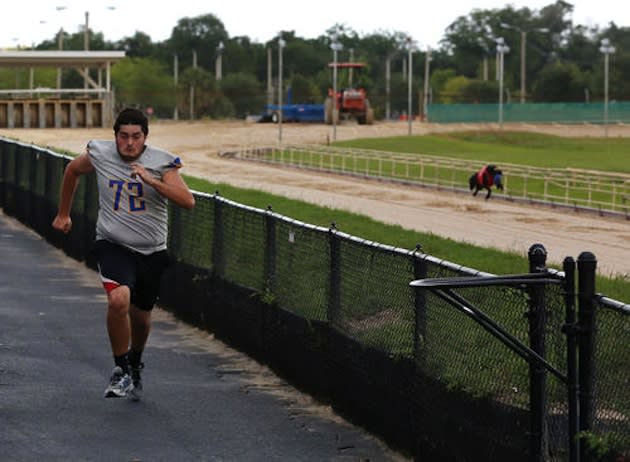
(589, 189)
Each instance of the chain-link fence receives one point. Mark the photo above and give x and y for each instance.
(610, 379)
(485, 368)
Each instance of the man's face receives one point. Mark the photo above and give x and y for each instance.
(130, 141)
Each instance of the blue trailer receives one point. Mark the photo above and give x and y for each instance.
(293, 112)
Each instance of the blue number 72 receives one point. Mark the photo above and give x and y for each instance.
(136, 203)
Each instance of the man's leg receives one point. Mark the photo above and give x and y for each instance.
(118, 320)
(119, 330)
(140, 327)
(147, 288)
(140, 330)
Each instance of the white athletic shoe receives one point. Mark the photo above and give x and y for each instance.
(136, 392)
(119, 384)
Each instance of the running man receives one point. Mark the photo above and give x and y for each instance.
(135, 182)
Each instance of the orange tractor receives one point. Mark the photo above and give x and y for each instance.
(349, 102)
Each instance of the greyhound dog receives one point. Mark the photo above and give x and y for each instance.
(485, 178)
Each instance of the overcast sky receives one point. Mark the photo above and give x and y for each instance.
(31, 21)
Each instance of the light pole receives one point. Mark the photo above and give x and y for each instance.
(388, 73)
(269, 78)
(410, 49)
(175, 81)
(86, 46)
(60, 47)
(336, 47)
(502, 48)
(388, 79)
(523, 53)
(192, 87)
(281, 45)
(86, 40)
(218, 65)
(425, 99)
(607, 49)
(86, 33)
(351, 50)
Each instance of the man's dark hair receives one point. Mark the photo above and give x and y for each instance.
(131, 116)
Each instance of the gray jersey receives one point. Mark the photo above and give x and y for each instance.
(130, 212)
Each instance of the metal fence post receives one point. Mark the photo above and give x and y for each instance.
(570, 329)
(420, 306)
(90, 202)
(334, 298)
(33, 157)
(586, 264)
(21, 165)
(270, 251)
(537, 375)
(175, 229)
(3, 169)
(218, 257)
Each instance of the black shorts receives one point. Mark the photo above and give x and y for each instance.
(119, 265)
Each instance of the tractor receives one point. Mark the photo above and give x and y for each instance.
(349, 102)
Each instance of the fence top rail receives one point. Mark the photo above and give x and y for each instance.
(613, 304)
(618, 175)
(415, 253)
(575, 173)
(505, 280)
(34, 147)
(218, 198)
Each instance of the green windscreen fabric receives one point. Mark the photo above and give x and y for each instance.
(618, 112)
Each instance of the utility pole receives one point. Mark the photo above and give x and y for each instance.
(425, 102)
(60, 46)
(523, 54)
(192, 89)
(502, 48)
(175, 79)
(86, 45)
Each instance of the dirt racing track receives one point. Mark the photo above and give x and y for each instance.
(494, 223)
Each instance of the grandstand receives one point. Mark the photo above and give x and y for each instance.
(37, 107)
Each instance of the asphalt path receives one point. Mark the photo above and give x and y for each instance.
(202, 400)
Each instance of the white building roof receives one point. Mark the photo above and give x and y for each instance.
(59, 58)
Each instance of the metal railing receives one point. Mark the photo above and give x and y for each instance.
(586, 189)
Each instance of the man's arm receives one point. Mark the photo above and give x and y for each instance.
(171, 185)
(78, 166)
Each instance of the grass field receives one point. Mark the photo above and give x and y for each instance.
(528, 149)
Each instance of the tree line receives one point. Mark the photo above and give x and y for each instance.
(203, 72)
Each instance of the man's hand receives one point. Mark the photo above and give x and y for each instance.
(62, 223)
(138, 170)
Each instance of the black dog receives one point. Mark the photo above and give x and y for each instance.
(485, 178)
